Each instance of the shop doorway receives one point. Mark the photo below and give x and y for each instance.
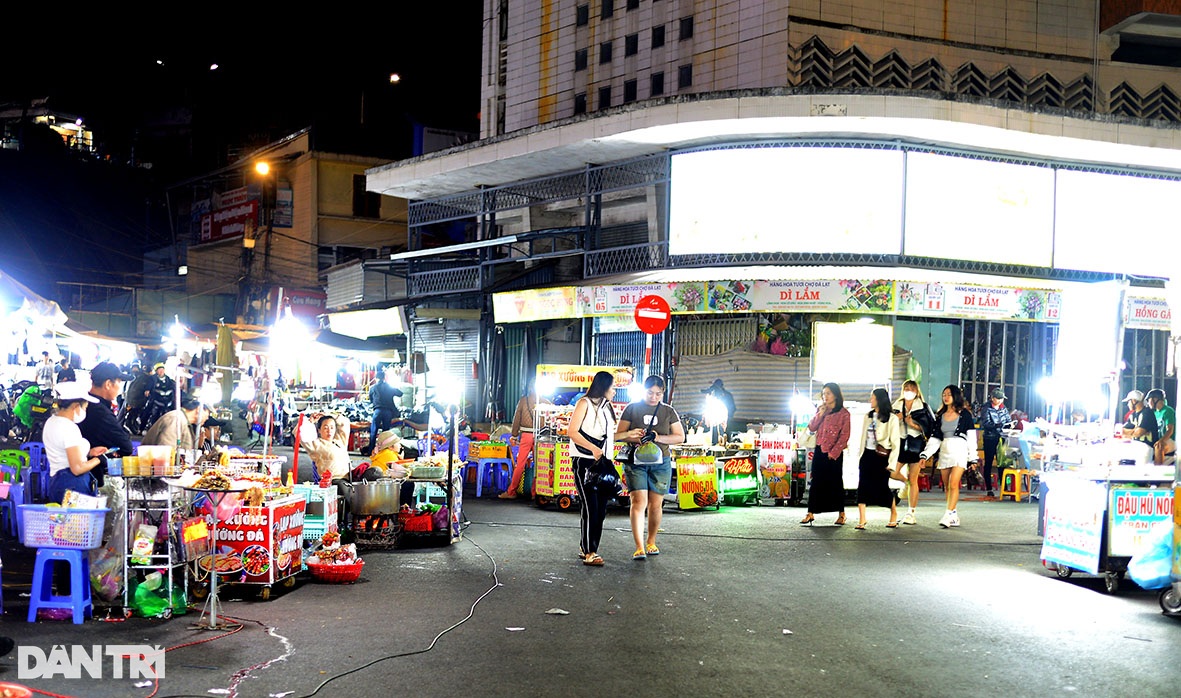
(935, 346)
(1146, 364)
(1014, 356)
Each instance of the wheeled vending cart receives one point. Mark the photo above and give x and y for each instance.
(1096, 523)
(1170, 596)
(260, 545)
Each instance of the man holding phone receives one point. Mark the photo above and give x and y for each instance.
(101, 426)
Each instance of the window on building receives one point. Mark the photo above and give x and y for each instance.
(657, 84)
(657, 36)
(633, 4)
(366, 204)
(631, 44)
(605, 52)
(608, 10)
(580, 103)
(684, 77)
(582, 15)
(580, 59)
(629, 91)
(686, 28)
(604, 97)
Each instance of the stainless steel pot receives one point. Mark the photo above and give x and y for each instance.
(375, 497)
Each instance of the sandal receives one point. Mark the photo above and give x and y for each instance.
(840, 520)
(652, 550)
(892, 524)
(593, 560)
(859, 527)
(639, 554)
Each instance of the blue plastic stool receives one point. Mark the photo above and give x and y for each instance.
(498, 472)
(79, 600)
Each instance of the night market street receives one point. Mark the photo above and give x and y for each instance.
(742, 601)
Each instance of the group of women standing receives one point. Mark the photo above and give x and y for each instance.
(593, 431)
(948, 436)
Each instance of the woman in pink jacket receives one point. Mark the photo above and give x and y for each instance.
(831, 426)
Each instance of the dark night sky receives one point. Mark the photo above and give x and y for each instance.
(279, 71)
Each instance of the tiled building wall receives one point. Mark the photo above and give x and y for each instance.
(743, 44)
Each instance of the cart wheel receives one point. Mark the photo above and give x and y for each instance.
(543, 501)
(200, 591)
(166, 613)
(289, 582)
(565, 502)
(264, 593)
(1063, 572)
(1170, 601)
(1111, 582)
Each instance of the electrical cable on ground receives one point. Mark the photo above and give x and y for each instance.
(471, 614)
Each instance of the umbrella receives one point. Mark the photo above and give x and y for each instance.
(528, 358)
(226, 357)
(497, 358)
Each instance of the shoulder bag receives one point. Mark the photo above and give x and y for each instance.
(911, 447)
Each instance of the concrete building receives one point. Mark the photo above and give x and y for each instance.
(249, 232)
(609, 126)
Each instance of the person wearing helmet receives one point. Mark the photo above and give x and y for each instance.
(160, 392)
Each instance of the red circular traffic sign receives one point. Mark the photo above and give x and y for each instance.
(652, 314)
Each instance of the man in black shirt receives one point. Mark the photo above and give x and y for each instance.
(66, 374)
(1141, 424)
(101, 427)
(385, 409)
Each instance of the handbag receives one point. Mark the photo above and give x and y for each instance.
(911, 449)
(881, 450)
(603, 478)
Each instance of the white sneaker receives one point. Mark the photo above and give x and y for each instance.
(955, 520)
(909, 519)
(946, 520)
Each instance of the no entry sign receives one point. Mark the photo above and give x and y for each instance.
(652, 314)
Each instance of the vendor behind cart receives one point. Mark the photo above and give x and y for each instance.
(1141, 424)
(328, 447)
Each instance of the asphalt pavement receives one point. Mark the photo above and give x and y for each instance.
(741, 601)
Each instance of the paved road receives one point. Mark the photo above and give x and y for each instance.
(743, 601)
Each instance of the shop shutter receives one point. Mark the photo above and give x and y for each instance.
(762, 384)
(612, 348)
(714, 336)
(450, 350)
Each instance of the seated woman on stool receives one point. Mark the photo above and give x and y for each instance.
(385, 458)
(330, 452)
(71, 459)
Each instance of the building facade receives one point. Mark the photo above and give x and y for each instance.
(595, 112)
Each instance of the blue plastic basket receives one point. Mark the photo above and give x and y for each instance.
(57, 527)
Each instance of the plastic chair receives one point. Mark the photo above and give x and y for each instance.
(1015, 483)
(42, 596)
(10, 516)
(38, 470)
(8, 513)
(16, 458)
(497, 471)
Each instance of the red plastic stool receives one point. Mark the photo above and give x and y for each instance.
(42, 596)
(924, 483)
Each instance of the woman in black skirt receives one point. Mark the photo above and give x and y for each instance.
(878, 458)
(831, 426)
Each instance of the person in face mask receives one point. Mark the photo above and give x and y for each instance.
(917, 421)
(71, 459)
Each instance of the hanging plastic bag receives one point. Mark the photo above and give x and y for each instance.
(146, 601)
(1151, 568)
(106, 574)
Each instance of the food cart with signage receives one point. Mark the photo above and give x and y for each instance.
(783, 468)
(1100, 504)
(553, 467)
(259, 545)
(695, 478)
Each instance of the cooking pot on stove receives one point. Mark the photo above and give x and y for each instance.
(376, 497)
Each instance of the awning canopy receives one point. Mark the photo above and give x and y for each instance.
(363, 324)
(15, 297)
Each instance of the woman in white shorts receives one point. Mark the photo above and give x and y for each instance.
(955, 441)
